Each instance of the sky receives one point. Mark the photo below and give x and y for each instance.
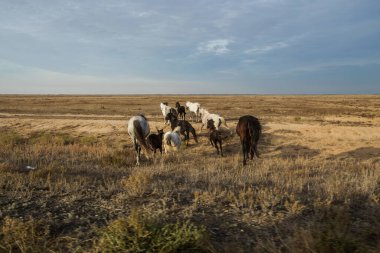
(189, 47)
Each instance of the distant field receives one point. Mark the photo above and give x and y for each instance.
(316, 187)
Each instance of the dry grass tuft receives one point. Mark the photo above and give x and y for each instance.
(138, 183)
(22, 236)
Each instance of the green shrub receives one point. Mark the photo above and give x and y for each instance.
(136, 234)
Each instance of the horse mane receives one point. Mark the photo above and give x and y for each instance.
(142, 115)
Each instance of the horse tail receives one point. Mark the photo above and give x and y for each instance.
(254, 128)
(140, 136)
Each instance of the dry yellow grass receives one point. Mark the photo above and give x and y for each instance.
(315, 188)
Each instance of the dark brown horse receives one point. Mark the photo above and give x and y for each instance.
(215, 136)
(154, 141)
(186, 127)
(181, 110)
(249, 131)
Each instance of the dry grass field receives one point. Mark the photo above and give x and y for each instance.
(68, 180)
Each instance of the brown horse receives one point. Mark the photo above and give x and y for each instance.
(249, 131)
(215, 137)
(181, 110)
(154, 141)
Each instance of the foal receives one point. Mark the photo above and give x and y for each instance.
(181, 111)
(155, 141)
(215, 136)
(186, 127)
(172, 140)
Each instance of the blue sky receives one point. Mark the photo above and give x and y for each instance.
(215, 46)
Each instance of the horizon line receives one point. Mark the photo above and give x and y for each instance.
(188, 94)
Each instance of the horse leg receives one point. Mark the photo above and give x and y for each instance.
(252, 151)
(210, 139)
(255, 149)
(217, 148)
(187, 137)
(137, 151)
(243, 147)
(221, 149)
(138, 154)
(194, 135)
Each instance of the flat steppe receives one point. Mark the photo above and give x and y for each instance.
(67, 174)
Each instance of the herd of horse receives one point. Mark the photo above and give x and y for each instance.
(248, 129)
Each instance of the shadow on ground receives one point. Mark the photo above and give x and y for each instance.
(365, 153)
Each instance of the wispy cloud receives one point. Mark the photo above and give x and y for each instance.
(334, 64)
(266, 48)
(142, 14)
(217, 47)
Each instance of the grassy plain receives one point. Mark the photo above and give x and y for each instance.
(316, 187)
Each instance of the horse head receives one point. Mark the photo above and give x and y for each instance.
(210, 124)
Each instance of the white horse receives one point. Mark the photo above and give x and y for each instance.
(138, 129)
(165, 109)
(194, 108)
(205, 116)
(172, 140)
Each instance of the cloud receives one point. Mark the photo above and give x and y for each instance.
(335, 64)
(142, 14)
(217, 47)
(267, 48)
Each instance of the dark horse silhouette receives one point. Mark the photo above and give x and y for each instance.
(181, 111)
(186, 127)
(154, 141)
(249, 131)
(215, 137)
